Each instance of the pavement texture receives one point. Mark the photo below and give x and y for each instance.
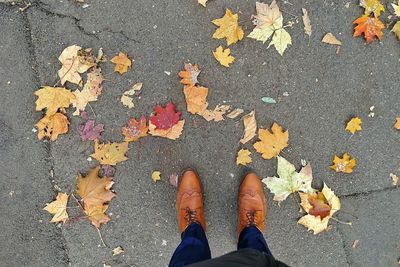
(325, 90)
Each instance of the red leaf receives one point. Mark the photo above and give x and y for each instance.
(165, 118)
(320, 206)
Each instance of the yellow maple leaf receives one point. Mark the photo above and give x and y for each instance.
(243, 157)
(354, 125)
(396, 8)
(320, 207)
(82, 98)
(281, 39)
(228, 28)
(122, 63)
(59, 208)
(173, 133)
(372, 6)
(111, 153)
(223, 56)
(397, 123)
(196, 98)
(271, 143)
(94, 190)
(52, 125)
(156, 176)
(75, 60)
(396, 29)
(250, 127)
(53, 98)
(96, 214)
(344, 164)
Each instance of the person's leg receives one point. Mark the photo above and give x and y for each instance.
(251, 237)
(192, 225)
(193, 247)
(252, 212)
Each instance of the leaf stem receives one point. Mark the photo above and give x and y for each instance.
(341, 222)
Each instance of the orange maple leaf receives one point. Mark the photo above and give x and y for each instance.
(96, 214)
(122, 63)
(189, 75)
(271, 143)
(135, 130)
(52, 125)
(344, 164)
(370, 26)
(196, 98)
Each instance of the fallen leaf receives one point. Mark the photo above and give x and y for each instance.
(355, 243)
(320, 207)
(306, 22)
(271, 143)
(111, 153)
(52, 126)
(372, 6)
(135, 129)
(59, 208)
(107, 171)
(118, 250)
(135, 88)
(228, 28)
(396, 29)
(268, 100)
(202, 2)
(173, 180)
(94, 190)
(165, 118)
(223, 56)
(289, 180)
(190, 74)
(369, 26)
(196, 98)
(243, 157)
(397, 124)
(394, 178)
(89, 132)
(344, 164)
(329, 38)
(250, 127)
(216, 115)
(96, 215)
(82, 98)
(172, 133)
(53, 98)
(396, 8)
(233, 114)
(74, 60)
(155, 176)
(354, 125)
(269, 22)
(94, 81)
(122, 63)
(127, 101)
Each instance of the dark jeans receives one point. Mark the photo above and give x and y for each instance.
(194, 245)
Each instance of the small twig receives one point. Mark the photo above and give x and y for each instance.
(90, 106)
(341, 222)
(77, 201)
(296, 17)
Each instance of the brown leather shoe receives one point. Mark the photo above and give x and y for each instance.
(252, 204)
(189, 201)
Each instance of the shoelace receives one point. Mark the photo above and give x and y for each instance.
(251, 218)
(191, 216)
